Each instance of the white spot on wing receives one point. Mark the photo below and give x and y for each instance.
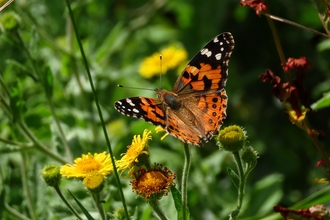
(215, 40)
(130, 102)
(206, 52)
(135, 110)
(218, 56)
(119, 102)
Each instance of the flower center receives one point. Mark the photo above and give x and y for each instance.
(153, 180)
(88, 165)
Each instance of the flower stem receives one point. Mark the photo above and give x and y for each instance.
(15, 213)
(98, 204)
(59, 127)
(277, 41)
(242, 182)
(97, 106)
(185, 173)
(25, 130)
(25, 184)
(58, 191)
(15, 143)
(154, 203)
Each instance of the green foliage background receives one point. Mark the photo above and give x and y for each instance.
(117, 36)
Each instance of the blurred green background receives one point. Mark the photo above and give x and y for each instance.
(117, 36)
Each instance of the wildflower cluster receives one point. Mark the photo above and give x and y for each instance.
(292, 94)
(148, 182)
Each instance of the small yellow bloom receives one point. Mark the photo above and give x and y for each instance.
(88, 164)
(293, 116)
(135, 150)
(153, 183)
(94, 182)
(172, 57)
(160, 129)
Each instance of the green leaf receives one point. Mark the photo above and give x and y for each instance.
(47, 81)
(266, 193)
(16, 101)
(322, 9)
(322, 103)
(177, 202)
(234, 177)
(176, 198)
(22, 69)
(83, 209)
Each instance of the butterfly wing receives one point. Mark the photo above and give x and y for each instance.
(199, 118)
(196, 107)
(200, 90)
(147, 109)
(208, 70)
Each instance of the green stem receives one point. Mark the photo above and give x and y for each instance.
(58, 191)
(242, 182)
(15, 213)
(25, 49)
(59, 127)
(25, 130)
(15, 143)
(98, 204)
(25, 184)
(98, 107)
(37, 70)
(185, 174)
(154, 203)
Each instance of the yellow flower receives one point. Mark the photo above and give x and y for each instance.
(153, 183)
(160, 129)
(172, 57)
(88, 164)
(135, 150)
(94, 182)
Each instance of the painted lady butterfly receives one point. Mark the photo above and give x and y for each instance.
(194, 110)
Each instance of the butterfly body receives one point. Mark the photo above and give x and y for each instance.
(195, 108)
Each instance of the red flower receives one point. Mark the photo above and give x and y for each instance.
(257, 5)
(292, 94)
(317, 212)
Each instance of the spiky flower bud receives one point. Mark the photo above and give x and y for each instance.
(51, 175)
(9, 22)
(232, 138)
(250, 156)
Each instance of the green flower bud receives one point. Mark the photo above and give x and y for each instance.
(51, 175)
(250, 156)
(232, 138)
(10, 21)
(119, 214)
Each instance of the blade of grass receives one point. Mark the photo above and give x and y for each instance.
(97, 105)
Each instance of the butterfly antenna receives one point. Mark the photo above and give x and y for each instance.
(139, 88)
(161, 70)
(6, 4)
